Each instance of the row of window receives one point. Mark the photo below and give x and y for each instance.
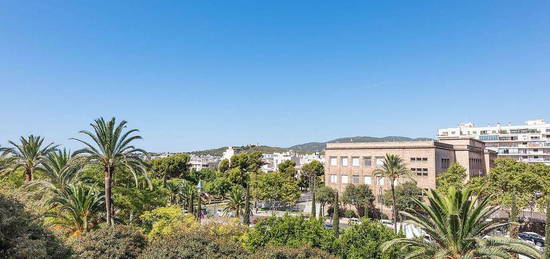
(355, 179)
(367, 161)
(413, 159)
(445, 162)
(355, 161)
(420, 171)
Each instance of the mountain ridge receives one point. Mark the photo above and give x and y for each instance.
(310, 147)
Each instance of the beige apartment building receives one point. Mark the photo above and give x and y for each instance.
(354, 163)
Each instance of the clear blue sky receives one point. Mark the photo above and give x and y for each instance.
(203, 74)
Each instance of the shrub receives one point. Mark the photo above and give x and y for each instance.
(232, 230)
(110, 242)
(164, 221)
(198, 244)
(21, 236)
(289, 231)
(364, 240)
(281, 252)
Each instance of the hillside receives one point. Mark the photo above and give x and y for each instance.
(319, 146)
(309, 147)
(248, 148)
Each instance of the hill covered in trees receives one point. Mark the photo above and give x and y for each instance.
(309, 147)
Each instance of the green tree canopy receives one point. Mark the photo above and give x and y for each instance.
(223, 166)
(173, 166)
(360, 196)
(276, 186)
(454, 177)
(405, 196)
(287, 167)
(364, 241)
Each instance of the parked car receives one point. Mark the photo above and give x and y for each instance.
(533, 237)
(354, 221)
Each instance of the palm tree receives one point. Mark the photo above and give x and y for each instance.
(75, 207)
(458, 225)
(111, 148)
(393, 168)
(187, 192)
(236, 201)
(59, 170)
(29, 154)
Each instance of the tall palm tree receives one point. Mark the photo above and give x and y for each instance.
(393, 168)
(75, 207)
(458, 225)
(29, 154)
(236, 201)
(111, 148)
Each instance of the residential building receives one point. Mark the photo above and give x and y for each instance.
(272, 161)
(198, 163)
(529, 142)
(354, 163)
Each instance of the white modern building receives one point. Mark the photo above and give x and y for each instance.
(272, 161)
(198, 163)
(529, 142)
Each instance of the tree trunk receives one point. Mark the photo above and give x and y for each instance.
(321, 209)
(313, 210)
(336, 216)
(547, 235)
(28, 175)
(246, 216)
(108, 206)
(394, 209)
(366, 212)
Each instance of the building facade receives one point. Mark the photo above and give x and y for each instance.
(198, 163)
(528, 143)
(354, 163)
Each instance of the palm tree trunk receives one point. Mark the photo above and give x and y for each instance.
(28, 175)
(394, 209)
(321, 209)
(547, 235)
(246, 216)
(108, 207)
(366, 211)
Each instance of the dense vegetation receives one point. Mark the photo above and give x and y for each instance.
(108, 200)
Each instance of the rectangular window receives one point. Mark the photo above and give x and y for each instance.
(355, 161)
(333, 178)
(413, 159)
(333, 161)
(379, 161)
(368, 180)
(368, 161)
(345, 179)
(424, 159)
(355, 179)
(344, 161)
